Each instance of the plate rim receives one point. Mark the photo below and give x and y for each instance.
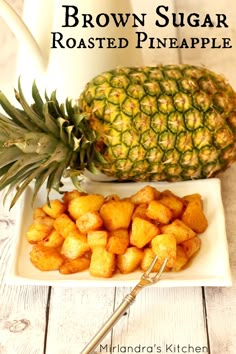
(220, 280)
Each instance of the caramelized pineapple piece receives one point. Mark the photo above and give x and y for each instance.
(102, 263)
(145, 195)
(53, 239)
(159, 212)
(71, 266)
(194, 217)
(130, 260)
(181, 259)
(46, 220)
(181, 231)
(45, 258)
(81, 205)
(54, 209)
(142, 232)
(118, 241)
(117, 214)
(164, 246)
(39, 213)
(141, 211)
(97, 238)
(195, 197)
(37, 232)
(74, 245)
(89, 221)
(64, 225)
(191, 246)
(110, 197)
(148, 257)
(68, 196)
(174, 203)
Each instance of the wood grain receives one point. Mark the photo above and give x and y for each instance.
(22, 308)
(162, 318)
(75, 316)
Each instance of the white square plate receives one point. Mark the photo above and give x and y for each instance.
(209, 268)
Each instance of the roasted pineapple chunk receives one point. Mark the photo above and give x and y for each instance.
(178, 228)
(117, 214)
(53, 239)
(142, 232)
(54, 208)
(64, 225)
(110, 197)
(81, 205)
(159, 212)
(89, 221)
(140, 211)
(38, 213)
(46, 220)
(164, 246)
(145, 195)
(37, 232)
(68, 196)
(130, 260)
(97, 238)
(118, 241)
(102, 263)
(195, 197)
(74, 245)
(181, 259)
(45, 258)
(148, 257)
(174, 203)
(194, 217)
(191, 246)
(71, 266)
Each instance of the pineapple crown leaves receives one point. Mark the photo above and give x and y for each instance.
(43, 142)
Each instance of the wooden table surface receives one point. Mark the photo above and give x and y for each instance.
(52, 320)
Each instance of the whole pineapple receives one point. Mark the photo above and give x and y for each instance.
(163, 123)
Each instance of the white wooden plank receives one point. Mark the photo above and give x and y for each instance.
(22, 322)
(76, 314)
(221, 305)
(162, 319)
(22, 308)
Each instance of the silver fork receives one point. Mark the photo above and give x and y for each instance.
(145, 280)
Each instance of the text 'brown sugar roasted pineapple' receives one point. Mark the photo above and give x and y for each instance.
(172, 122)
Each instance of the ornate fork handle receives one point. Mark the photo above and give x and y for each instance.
(109, 324)
(128, 300)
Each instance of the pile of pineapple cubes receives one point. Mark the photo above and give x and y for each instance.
(110, 234)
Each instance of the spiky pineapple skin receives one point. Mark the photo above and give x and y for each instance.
(173, 122)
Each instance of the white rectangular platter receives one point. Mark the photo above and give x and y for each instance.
(209, 268)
